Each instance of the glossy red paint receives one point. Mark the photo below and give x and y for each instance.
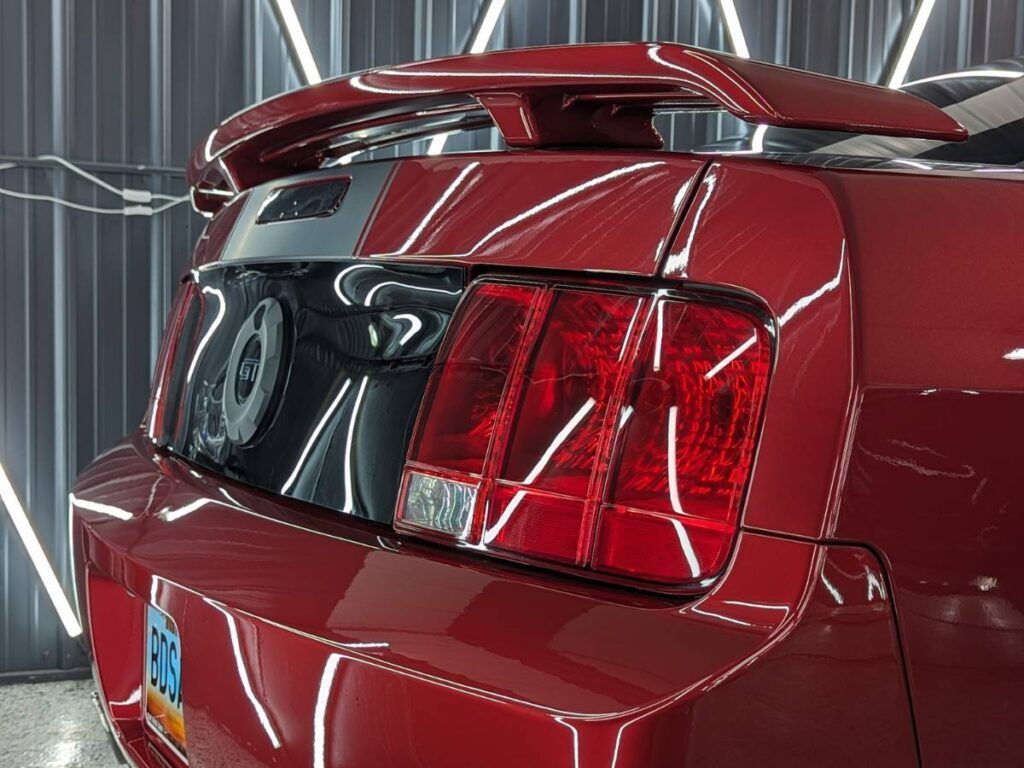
(878, 529)
(777, 233)
(531, 210)
(934, 483)
(933, 480)
(893, 412)
(394, 654)
(577, 95)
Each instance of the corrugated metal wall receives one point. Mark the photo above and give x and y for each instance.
(127, 87)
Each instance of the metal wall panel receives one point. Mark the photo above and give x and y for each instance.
(129, 83)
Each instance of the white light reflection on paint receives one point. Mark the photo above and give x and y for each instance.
(836, 594)
(243, 676)
(449, 191)
(788, 315)
(314, 437)
(1015, 354)
(875, 585)
(349, 495)
(170, 514)
(575, 739)
(492, 533)
(101, 509)
(680, 263)
(153, 410)
(561, 197)
(209, 333)
(722, 617)
(763, 606)
(320, 712)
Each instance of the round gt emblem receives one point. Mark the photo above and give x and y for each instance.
(252, 370)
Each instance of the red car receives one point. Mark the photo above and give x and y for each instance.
(578, 453)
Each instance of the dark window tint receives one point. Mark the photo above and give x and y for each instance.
(305, 378)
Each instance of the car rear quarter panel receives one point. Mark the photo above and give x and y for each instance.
(896, 406)
(934, 480)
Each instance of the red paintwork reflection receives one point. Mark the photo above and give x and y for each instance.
(775, 231)
(934, 482)
(585, 95)
(390, 656)
(568, 210)
(934, 477)
(925, 367)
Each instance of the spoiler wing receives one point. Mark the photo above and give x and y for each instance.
(581, 95)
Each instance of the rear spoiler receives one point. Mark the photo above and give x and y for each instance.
(582, 95)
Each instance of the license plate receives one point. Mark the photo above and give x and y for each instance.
(163, 705)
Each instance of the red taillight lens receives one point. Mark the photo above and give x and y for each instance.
(607, 431)
(687, 441)
(465, 391)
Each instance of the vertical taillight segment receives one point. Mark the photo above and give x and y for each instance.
(461, 406)
(686, 444)
(611, 431)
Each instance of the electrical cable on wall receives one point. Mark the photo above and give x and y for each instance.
(140, 199)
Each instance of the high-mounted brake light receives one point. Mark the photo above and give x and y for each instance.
(604, 431)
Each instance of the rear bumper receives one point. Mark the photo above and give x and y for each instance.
(313, 640)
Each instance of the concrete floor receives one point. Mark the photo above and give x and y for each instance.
(52, 725)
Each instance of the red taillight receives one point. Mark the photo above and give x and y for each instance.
(606, 431)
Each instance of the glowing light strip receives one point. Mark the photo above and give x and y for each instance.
(38, 557)
(1002, 74)
(732, 25)
(300, 45)
(914, 34)
(479, 45)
